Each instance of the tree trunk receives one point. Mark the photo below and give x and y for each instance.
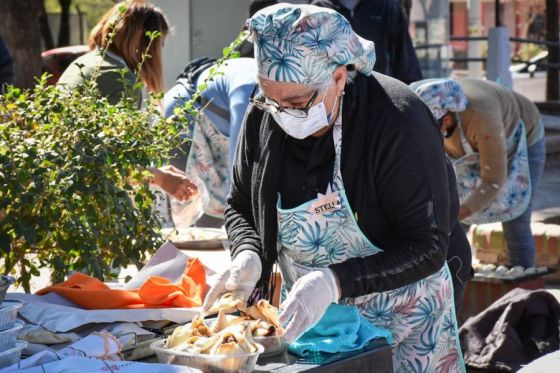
(45, 29)
(21, 32)
(64, 32)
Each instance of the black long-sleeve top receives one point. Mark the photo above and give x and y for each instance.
(396, 175)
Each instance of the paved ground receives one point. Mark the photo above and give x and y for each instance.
(547, 195)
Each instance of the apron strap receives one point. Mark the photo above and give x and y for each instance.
(209, 105)
(466, 146)
(204, 102)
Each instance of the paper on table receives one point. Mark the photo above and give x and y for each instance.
(58, 318)
(57, 314)
(98, 346)
(168, 262)
(83, 364)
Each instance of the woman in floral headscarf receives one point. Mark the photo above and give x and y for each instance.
(496, 138)
(333, 168)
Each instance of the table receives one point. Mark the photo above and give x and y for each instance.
(374, 357)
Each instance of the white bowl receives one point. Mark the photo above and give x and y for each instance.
(242, 363)
(13, 355)
(8, 313)
(8, 337)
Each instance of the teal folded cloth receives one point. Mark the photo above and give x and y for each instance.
(342, 329)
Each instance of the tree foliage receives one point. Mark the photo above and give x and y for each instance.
(73, 182)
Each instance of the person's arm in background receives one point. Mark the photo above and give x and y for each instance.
(404, 62)
(485, 131)
(169, 178)
(6, 66)
(238, 103)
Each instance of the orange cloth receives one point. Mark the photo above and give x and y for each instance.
(155, 292)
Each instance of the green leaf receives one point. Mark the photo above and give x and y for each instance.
(30, 235)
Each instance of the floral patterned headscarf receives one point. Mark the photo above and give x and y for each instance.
(441, 95)
(306, 43)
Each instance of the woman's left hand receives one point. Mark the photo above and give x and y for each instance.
(307, 302)
(174, 182)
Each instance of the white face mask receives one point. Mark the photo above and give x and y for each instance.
(300, 128)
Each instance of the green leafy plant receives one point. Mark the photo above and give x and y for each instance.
(73, 176)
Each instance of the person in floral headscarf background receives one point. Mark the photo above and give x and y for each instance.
(340, 177)
(495, 137)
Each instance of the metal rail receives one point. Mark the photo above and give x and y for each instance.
(483, 59)
(511, 39)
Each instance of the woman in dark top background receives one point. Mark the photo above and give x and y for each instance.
(124, 51)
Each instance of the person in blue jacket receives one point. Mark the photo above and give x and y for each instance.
(214, 135)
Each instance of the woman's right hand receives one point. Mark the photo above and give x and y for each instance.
(241, 277)
(174, 182)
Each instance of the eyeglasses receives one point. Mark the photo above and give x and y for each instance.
(274, 107)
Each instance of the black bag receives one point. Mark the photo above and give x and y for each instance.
(188, 78)
(192, 71)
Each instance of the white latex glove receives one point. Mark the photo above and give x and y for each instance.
(241, 277)
(307, 302)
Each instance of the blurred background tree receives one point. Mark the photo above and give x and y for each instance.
(21, 32)
(92, 10)
(26, 31)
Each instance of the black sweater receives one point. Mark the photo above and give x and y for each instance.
(396, 175)
(384, 23)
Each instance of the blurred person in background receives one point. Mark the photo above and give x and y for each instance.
(216, 129)
(384, 23)
(211, 152)
(108, 57)
(496, 138)
(246, 49)
(124, 51)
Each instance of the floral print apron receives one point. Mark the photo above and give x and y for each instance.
(208, 160)
(514, 197)
(420, 316)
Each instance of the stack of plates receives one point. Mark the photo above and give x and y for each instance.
(10, 347)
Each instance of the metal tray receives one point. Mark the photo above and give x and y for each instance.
(140, 350)
(5, 282)
(374, 357)
(174, 236)
(199, 245)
